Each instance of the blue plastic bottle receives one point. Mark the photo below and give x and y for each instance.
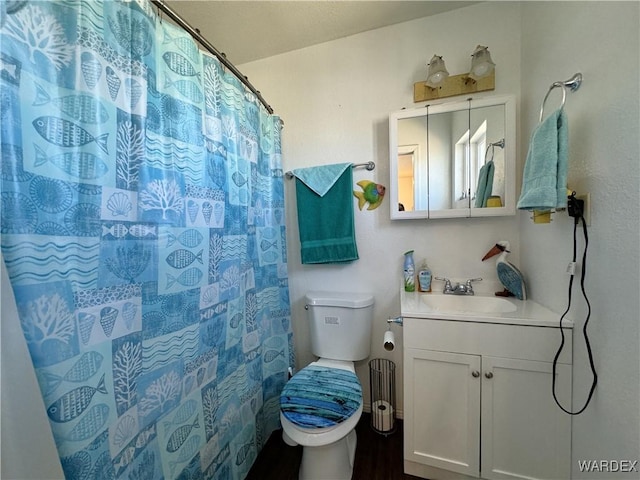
(424, 278)
(409, 272)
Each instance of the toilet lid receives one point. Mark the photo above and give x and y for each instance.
(320, 397)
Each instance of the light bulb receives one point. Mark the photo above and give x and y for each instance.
(437, 72)
(481, 63)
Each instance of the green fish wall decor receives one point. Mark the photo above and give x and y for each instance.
(372, 193)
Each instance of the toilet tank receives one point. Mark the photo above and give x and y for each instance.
(340, 324)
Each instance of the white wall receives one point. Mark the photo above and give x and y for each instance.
(601, 40)
(335, 99)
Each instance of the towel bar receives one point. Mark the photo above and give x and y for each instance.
(368, 165)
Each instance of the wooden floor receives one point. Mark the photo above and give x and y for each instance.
(377, 457)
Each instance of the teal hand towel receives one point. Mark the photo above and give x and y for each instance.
(544, 181)
(326, 223)
(485, 184)
(321, 179)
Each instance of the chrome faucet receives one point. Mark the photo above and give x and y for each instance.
(465, 288)
(447, 285)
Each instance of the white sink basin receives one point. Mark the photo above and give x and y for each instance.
(477, 308)
(467, 304)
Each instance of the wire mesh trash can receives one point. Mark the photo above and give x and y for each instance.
(382, 378)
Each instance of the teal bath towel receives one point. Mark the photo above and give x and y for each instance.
(544, 182)
(326, 223)
(485, 184)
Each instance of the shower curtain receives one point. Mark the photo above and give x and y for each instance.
(143, 232)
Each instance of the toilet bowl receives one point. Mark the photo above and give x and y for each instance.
(319, 409)
(321, 405)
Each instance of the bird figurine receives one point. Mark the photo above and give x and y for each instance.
(372, 193)
(510, 277)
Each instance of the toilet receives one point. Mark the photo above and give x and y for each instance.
(321, 404)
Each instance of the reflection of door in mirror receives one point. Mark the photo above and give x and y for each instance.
(408, 160)
(412, 140)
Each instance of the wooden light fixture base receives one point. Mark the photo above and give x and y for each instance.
(454, 85)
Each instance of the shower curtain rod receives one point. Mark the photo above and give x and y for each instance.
(195, 33)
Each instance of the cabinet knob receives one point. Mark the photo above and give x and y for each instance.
(475, 374)
(488, 374)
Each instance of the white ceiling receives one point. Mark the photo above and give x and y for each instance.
(248, 30)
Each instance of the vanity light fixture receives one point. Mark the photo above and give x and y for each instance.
(437, 72)
(481, 63)
(440, 85)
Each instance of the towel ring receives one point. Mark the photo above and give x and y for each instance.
(492, 146)
(573, 84)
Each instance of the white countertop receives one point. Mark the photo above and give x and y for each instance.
(527, 312)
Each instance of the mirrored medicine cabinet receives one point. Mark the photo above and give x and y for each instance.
(454, 159)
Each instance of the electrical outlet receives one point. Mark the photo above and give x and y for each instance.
(586, 210)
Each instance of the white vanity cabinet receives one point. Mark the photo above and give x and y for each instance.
(478, 400)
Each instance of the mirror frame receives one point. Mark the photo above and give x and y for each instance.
(509, 207)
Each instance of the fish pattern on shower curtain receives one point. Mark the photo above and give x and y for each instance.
(143, 233)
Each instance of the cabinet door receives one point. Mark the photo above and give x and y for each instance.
(524, 432)
(442, 410)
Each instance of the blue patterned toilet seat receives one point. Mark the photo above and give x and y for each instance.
(320, 397)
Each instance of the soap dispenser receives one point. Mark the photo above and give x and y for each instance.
(409, 272)
(424, 278)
